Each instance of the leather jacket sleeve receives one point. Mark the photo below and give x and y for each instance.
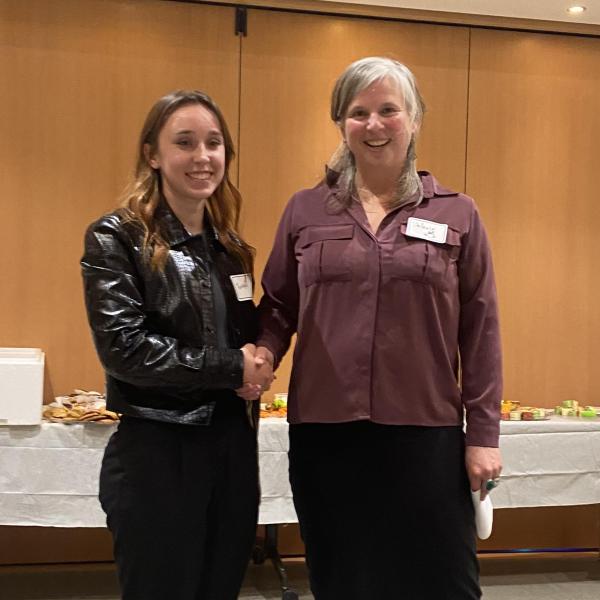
(128, 350)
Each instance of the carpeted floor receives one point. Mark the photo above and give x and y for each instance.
(503, 578)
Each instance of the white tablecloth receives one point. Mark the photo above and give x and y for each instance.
(49, 473)
(549, 463)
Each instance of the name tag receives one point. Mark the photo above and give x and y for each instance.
(427, 230)
(242, 284)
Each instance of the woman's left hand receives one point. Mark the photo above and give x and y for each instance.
(482, 464)
(249, 391)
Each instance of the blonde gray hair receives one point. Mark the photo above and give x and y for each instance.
(357, 77)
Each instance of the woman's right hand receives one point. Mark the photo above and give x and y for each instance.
(258, 373)
(249, 391)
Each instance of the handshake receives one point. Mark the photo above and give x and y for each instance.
(258, 371)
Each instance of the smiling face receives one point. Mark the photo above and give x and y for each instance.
(190, 155)
(377, 128)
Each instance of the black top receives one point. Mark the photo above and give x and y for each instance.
(220, 305)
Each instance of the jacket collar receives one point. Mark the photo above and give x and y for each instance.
(173, 230)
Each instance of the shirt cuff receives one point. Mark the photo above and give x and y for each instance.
(479, 434)
(233, 369)
(269, 343)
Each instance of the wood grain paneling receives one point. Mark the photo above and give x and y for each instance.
(377, 10)
(533, 147)
(514, 529)
(289, 65)
(518, 528)
(78, 77)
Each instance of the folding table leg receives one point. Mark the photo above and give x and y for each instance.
(269, 550)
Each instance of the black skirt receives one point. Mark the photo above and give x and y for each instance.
(385, 511)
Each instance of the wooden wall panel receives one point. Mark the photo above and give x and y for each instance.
(533, 147)
(78, 77)
(518, 528)
(289, 65)
(381, 10)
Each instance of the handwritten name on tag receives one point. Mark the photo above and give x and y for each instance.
(242, 284)
(427, 230)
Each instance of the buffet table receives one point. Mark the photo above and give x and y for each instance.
(49, 473)
(549, 463)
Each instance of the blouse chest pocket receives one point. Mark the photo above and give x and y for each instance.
(421, 260)
(323, 254)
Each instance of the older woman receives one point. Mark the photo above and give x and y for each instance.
(387, 279)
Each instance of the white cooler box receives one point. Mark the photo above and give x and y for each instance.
(21, 386)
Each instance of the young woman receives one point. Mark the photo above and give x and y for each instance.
(168, 290)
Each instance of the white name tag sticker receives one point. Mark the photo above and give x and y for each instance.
(427, 230)
(242, 284)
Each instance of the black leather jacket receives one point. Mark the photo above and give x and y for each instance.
(155, 331)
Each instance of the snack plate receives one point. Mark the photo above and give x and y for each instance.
(272, 414)
(72, 421)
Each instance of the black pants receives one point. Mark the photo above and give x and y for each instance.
(181, 503)
(385, 511)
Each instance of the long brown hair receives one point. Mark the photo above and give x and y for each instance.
(143, 195)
